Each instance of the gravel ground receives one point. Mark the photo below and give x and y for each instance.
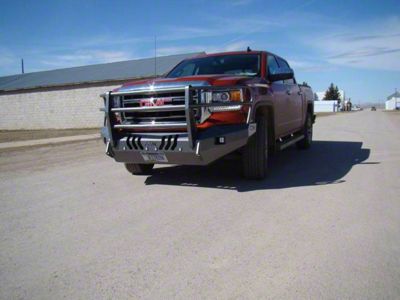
(324, 225)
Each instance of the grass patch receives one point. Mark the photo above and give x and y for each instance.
(324, 114)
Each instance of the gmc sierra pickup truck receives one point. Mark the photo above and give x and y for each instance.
(207, 107)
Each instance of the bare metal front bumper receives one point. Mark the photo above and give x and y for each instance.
(191, 147)
(207, 148)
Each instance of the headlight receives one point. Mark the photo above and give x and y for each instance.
(116, 102)
(231, 96)
(223, 96)
(220, 97)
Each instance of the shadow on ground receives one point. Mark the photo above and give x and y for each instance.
(326, 162)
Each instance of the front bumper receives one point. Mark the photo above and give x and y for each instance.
(210, 145)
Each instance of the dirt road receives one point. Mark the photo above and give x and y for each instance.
(325, 224)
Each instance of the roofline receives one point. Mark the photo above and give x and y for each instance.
(74, 84)
(8, 85)
(101, 64)
(225, 53)
(234, 53)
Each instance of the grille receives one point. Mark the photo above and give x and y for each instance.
(156, 99)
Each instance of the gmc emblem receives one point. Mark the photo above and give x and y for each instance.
(154, 102)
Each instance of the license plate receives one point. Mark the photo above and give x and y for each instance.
(155, 157)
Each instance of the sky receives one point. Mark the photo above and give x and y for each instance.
(353, 44)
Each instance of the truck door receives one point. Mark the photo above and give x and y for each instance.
(294, 100)
(280, 99)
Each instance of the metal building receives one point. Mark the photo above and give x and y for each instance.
(69, 98)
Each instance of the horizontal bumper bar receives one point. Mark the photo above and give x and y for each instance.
(219, 104)
(150, 108)
(149, 91)
(151, 126)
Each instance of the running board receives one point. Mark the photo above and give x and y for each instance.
(284, 144)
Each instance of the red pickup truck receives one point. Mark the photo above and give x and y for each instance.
(207, 107)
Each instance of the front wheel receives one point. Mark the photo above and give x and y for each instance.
(308, 134)
(139, 169)
(255, 153)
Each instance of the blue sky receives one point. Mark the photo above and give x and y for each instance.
(354, 44)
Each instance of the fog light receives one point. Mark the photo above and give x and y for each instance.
(220, 140)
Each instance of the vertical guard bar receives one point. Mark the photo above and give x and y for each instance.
(189, 114)
(107, 112)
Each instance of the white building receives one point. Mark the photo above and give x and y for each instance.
(393, 101)
(326, 106)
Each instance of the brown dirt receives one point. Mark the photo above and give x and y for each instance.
(24, 135)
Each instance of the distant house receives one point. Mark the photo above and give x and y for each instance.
(326, 106)
(333, 105)
(393, 101)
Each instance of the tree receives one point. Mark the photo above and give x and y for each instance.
(316, 98)
(332, 93)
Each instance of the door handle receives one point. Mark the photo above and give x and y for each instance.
(288, 92)
(299, 93)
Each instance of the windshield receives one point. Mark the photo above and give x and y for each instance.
(241, 64)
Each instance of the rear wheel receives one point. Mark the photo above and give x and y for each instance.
(308, 133)
(255, 153)
(139, 169)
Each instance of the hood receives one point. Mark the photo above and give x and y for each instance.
(199, 80)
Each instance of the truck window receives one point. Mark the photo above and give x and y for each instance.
(240, 64)
(284, 65)
(187, 70)
(273, 67)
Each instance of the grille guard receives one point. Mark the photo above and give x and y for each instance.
(188, 107)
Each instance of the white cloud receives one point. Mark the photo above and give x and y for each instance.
(240, 2)
(309, 65)
(215, 27)
(179, 49)
(375, 45)
(7, 58)
(85, 57)
(236, 46)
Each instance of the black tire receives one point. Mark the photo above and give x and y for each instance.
(255, 153)
(308, 133)
(139, 169)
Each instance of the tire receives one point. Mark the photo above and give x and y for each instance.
(308, 133)
(139, 169)
(255, 153)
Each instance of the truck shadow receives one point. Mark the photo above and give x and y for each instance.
(326, 162)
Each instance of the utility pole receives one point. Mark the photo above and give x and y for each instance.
(22, 66)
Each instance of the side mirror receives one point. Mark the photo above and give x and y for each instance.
(281, 74)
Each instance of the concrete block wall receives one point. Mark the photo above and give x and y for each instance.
(57, 109)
